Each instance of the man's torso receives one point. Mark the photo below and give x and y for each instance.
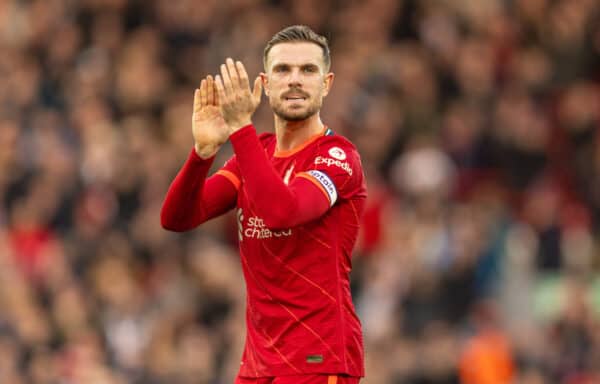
(300, 316)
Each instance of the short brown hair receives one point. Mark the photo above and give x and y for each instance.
(299, 33)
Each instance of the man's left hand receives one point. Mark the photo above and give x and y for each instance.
(236, 101)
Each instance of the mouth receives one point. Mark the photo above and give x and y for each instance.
(294, 98)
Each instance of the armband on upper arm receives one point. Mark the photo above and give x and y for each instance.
(323, 182)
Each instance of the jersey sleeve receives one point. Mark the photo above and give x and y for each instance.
(336, 170)
(231, 172)
(280, 205)
(193, 198)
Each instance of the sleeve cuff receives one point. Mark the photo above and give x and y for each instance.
(242, 133)
(196, 158)
(243, 139)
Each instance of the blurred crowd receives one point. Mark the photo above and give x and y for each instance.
(477, 122)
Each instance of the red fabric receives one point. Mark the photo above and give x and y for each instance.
(29, 247)
(295, 248)
(191, 200)
(299, 306)
(372, 230)
(282, 206)
(279, 205)
(304, 379)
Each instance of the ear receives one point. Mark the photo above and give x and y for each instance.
(327, 83)
(265, 83)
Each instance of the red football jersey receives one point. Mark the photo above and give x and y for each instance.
(298, 215)
(300, 316)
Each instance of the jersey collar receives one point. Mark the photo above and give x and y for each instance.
(325, 132)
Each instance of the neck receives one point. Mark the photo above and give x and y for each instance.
(291, 134)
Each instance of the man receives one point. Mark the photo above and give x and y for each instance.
(299, 195)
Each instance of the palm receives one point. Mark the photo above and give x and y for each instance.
(208, 126)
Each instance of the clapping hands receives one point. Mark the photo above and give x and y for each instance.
(233, 88)
(222, 106)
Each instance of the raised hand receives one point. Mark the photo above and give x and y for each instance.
(208, 126)
(236, 101)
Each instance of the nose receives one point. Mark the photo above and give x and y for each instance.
(295, 78)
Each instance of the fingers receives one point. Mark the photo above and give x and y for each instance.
(243, 76)
(226, 79)
(203, 93)
(197, 104)
(233, 73)
(220, 88)
(216, 96)
(257, 90)
(232, 81)
(210, 90)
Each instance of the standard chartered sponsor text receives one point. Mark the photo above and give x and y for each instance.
(256, 229)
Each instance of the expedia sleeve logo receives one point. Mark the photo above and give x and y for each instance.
(328, 161)
(326, 183)
(337, 153)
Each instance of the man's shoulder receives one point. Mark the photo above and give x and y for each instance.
(335, 140)
(337, 147)
(338, 158)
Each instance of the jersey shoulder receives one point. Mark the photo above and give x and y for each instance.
(334, 139)
(336, 159)
(337, 147)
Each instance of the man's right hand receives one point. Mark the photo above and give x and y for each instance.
(208, 127)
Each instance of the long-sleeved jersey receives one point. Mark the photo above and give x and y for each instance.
(298, 216)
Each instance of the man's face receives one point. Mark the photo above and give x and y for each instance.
(296, 80)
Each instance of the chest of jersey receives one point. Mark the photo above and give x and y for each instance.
(250, 225)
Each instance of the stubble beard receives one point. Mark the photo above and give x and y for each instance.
(291, 115)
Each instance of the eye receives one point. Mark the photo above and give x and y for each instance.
(281, 68)
(309, 69)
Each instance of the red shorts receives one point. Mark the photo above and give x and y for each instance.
(300, 379)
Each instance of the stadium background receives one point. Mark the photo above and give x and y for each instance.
(478, 127)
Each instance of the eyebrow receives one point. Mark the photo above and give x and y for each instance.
(302, 66)
(309, 65)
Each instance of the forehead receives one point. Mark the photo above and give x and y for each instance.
(295, 53)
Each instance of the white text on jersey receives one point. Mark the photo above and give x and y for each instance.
(329, 162)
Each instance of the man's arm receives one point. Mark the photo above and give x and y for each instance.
(192, 199)
(279, 205)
